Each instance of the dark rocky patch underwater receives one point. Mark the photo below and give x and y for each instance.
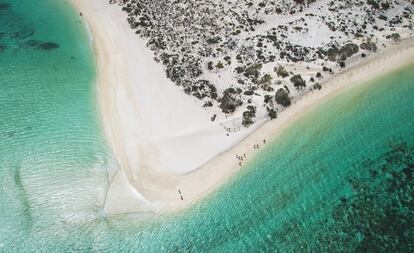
(17, 34)
(378, 215)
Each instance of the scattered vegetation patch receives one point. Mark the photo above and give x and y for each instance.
(265, 82)
(369, 45)
(223, 39)
(253, 71)
(394, 37)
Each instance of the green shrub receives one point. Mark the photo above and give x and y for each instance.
(298, 82)
(248, 116)
(281, 71)
(282, 98)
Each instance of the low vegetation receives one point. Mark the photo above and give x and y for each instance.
(223, 52)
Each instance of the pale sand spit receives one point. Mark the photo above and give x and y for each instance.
(170, 153)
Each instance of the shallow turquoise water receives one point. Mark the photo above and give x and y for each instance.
(54, 162)
(52, 154)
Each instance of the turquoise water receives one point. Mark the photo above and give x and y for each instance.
(53, 160)
(327, 184)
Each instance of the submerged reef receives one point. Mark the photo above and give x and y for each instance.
(379, 215)
(376, 216)
(40, 45)
(4, 6)
(18, 34)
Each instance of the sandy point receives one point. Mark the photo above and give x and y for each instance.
(169, 151)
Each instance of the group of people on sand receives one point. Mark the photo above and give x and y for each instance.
(241, 158)
(256, 146)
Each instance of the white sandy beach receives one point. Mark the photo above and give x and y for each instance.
(164, 140)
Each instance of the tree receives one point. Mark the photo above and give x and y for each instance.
(248, 116)
(272, 113)
(282, 98)
(229, 102)
(298, 82)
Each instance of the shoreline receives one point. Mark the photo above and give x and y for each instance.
(370, 70)
(150, 189)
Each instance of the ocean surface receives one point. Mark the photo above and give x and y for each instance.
(340, 179)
